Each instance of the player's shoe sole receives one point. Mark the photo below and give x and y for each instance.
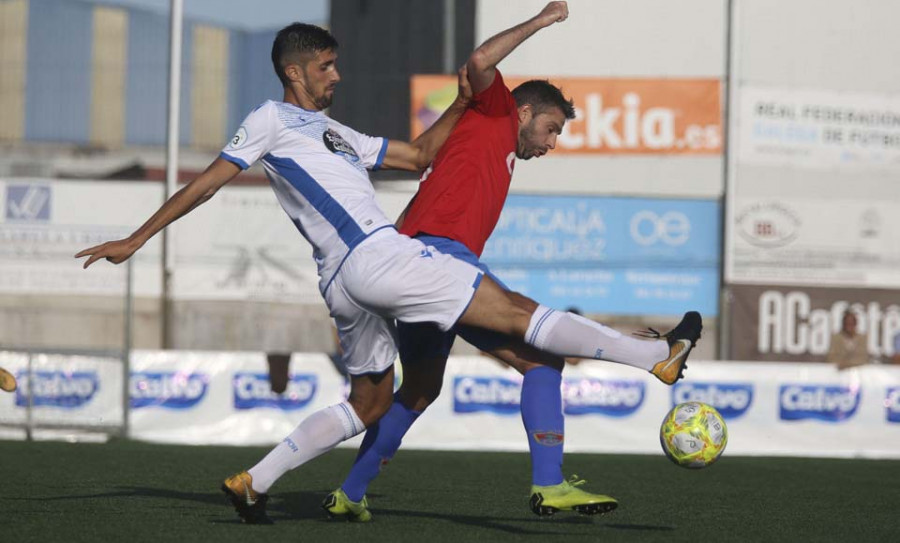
(549, 500)
(681, 339)
(249, 504)
(7, 381)
(339, 506)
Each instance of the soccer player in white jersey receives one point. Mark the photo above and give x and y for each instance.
(370, 275)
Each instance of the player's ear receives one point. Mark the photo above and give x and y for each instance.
(525, 113)
(293, 72)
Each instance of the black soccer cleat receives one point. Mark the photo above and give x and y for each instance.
(249, 504)
(681, 340)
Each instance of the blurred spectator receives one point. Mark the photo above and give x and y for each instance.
(278, 371)
(279, 364)
(848, 348)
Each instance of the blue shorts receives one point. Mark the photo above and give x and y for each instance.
(424, 340)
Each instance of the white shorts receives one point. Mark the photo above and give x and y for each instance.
(392, 277)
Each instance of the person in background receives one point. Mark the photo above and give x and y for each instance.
(279, 368)
(848, 347)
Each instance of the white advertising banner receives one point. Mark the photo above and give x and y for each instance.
(45, 222)
(794, 241)
(207, 398)
(818, 129)
(770, 408)
(788, 409)
(240, 245)
(63, 390)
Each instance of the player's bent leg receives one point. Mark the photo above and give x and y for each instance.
(421, 384)
(567, 334)
(498, 310)
(566, 496)
(544, 423)
(423, 351)
(315, 435)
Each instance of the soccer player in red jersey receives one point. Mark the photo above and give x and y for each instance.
(455, 210)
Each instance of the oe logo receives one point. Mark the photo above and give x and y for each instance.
(672, 228)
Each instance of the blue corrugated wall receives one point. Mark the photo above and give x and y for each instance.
(58, 75)
(58, 71)
(253, 79)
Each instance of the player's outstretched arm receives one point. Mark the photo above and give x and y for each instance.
(418, 154)
(182, 202)
(483, 61)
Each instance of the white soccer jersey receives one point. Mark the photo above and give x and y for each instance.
(317, 168)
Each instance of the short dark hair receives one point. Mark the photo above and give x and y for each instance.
(299, 38)
(543, 95)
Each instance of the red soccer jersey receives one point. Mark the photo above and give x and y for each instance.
(463, 191)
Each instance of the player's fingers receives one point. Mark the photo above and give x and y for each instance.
(86, 252)
(88, 262)
(94, 257)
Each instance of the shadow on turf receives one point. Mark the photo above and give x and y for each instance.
(498, 523)
(306, 505)
(287, 506)
(283, 507)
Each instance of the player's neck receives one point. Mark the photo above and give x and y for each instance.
(299, 99)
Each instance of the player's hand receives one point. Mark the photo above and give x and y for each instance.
(554, 12)
(114, 251)
(465, 88)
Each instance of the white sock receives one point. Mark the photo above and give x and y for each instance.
(567, 334)
(317, 434)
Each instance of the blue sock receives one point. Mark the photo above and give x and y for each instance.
(543, 418)
(379, 445)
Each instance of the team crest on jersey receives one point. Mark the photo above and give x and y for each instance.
(339, 146)
(548, 438)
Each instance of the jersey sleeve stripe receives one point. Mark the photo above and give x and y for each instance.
(234, 160)
(381, 153)
(349, 232)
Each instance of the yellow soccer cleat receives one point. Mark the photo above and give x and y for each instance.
(337, 504)
(547, 500)
(681, 340)
(7, 381)
(249, 504)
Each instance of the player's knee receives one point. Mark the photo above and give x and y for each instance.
(522, 303)
(420, 397)
(370, 412)
(371, 408)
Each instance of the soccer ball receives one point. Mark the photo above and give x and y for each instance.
(693, 435)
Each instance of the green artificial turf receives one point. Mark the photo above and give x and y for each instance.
(128, 491)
